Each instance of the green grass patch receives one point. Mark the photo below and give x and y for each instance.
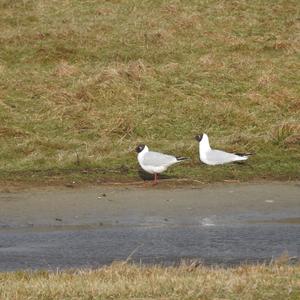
(81, 83)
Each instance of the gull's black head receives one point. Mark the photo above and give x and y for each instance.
(139, 148)
(199, 137)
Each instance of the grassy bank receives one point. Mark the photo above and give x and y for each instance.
(124, 281)
(83, 82)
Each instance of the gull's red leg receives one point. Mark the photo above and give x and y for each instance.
(155, 179)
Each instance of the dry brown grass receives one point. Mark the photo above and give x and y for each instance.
(125, 281)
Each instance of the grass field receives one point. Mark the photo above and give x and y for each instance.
(83, 82)
(125, 281)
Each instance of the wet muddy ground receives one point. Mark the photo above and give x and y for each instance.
(79, 227)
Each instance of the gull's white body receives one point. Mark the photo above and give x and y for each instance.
(155, 162)
(216, 157)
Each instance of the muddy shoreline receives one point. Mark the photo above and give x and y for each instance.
(90, 205)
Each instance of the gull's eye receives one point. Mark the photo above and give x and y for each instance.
(199, 137)
(139, 148)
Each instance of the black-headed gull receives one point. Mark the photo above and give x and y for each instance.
(216, 157)
(155, 162)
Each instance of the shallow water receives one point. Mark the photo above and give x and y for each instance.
(217, 224)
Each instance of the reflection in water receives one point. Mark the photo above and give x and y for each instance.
(207, 222)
